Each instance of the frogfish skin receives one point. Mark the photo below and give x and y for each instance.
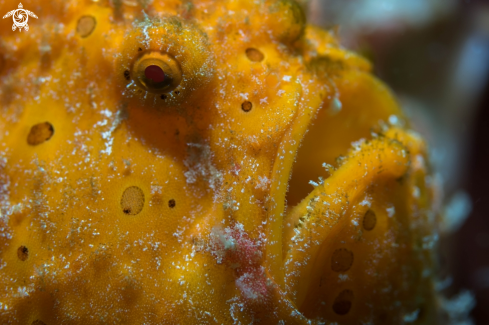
(205, 162)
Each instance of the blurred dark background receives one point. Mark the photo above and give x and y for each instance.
(434, 54)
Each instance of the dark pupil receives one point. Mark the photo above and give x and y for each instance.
(154, 73)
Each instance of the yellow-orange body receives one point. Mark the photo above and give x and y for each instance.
(123, 206)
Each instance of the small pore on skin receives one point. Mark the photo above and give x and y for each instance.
(341, 260)
(22, 253)
(172, 203)
(127, 75)
(132, 201)
(246, 106)
(369, 220)
(343, 302)
(254, 55)
(40, 133)
(85, 26)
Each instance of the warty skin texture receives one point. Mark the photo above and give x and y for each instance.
(133, 207)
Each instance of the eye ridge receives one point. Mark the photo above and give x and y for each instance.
(184, 64)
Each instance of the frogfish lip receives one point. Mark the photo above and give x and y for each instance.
(346, 202)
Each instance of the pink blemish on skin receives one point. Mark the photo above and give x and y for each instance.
(253, 284)
(154, 73)
(234, 247)
(236, 169)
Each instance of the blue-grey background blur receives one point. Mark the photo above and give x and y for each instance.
(434, 54)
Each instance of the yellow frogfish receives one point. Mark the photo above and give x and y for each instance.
(205, 162)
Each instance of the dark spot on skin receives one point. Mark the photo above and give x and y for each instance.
(341, 260)
(163, 96)
(127, 75)
(38, 322)
(46, 61)
(85, 26)
(40, 133)
(22, 253)
(254, 55)
(171, 203)
(132, 201)
(246, 106)
(177, 92)
(140, 49)
(369, 220)
(343, 302)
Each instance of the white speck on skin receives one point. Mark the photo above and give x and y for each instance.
(336, 105)
(391, 211)
(393, 120)
(416, 192)
(366, 202)
(313, 183)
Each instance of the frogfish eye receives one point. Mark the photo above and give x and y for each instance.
(164, 63)
(157, 72)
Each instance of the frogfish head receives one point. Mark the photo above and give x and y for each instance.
(201, 162)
